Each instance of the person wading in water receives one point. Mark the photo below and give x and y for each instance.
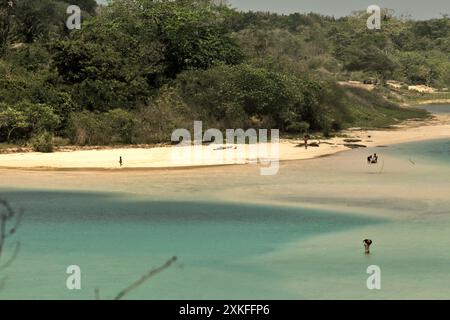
(120, 161)
(367, 244)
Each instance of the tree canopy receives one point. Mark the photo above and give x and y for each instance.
(137, 69)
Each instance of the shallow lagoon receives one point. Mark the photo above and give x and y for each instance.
(115, 239)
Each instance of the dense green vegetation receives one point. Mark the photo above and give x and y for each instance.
(138, 69)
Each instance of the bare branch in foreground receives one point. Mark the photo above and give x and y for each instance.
(12, 258)
(144, 278)
(9, 222)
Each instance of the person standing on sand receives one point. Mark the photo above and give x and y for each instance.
(120, 161)
(306, 138)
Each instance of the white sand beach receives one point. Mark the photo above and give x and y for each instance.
(214, 154)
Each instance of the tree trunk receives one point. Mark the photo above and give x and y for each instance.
(8, 137)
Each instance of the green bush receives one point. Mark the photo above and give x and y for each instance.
(298, 127)
(60, 142)
(43, 142)
(167, 112)
(114, 127)
(239, 95)
(25, 119)
(122, 124)
(87, 128)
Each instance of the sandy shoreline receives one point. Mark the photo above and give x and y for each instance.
(218, 155)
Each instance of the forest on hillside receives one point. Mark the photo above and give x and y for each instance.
(138, 69)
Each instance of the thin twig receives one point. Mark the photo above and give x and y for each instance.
(8, 216)
(12, 258)
(144, 278)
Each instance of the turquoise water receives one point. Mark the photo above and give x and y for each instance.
(115, 239)
(434, 151)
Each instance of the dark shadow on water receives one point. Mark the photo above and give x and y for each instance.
(54, 206)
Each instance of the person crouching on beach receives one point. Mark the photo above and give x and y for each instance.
(375, 158)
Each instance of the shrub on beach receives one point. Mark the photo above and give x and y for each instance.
(156, 121)
(43, 142)
(25, 119)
